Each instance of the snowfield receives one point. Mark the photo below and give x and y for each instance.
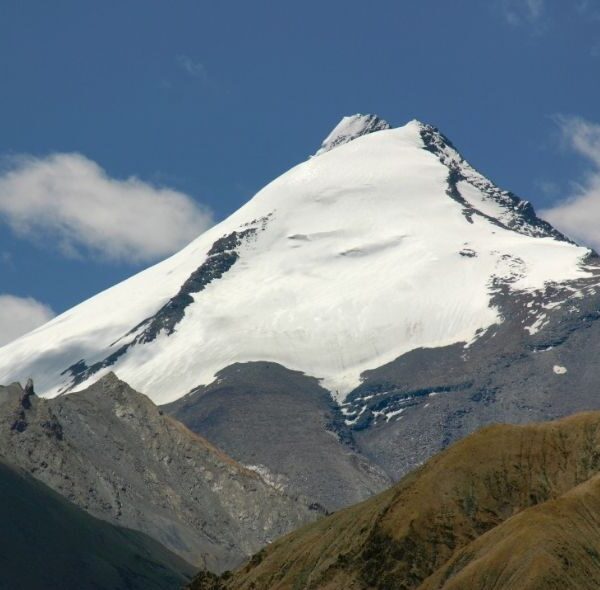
(359, 255)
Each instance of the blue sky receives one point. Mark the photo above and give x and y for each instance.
(111, 108)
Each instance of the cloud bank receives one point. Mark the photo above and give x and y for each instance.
(579, 216)
(68, 201)
(19, 315)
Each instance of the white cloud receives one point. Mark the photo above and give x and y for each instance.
(534, 8)
(193, 68)
(6, 258)
(518, 12)
(68, 201)
(19, 315)
(588, 8)
(579, 215)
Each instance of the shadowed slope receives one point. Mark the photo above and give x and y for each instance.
(49, 543)
(401, 537)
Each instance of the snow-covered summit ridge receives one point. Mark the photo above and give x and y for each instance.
(350, 128)
(500, 205)
(388, 243)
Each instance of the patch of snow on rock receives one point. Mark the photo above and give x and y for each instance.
(274, 480)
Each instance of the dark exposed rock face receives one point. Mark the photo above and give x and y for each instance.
(27, 393)
(538, 364)
(20, 422)
(49, 543)
(111, 451)
(351, 128)
(519, 215)
(220, 258)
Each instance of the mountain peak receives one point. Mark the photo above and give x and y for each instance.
(366, 230)
(350, 128)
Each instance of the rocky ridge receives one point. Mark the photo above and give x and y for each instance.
(112, 452)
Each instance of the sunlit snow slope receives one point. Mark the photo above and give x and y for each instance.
(384, 242)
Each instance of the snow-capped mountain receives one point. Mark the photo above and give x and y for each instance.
(384, 242)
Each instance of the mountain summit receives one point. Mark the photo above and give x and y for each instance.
(388, 243)
(350, 128)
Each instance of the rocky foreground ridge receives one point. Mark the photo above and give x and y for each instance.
(112, 452)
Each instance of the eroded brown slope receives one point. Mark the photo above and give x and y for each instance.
(401, 537)
(552, 546)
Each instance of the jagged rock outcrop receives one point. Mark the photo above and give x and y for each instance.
(112, 452)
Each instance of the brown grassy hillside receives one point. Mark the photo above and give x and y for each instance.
(416, 530)
(552, 546)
